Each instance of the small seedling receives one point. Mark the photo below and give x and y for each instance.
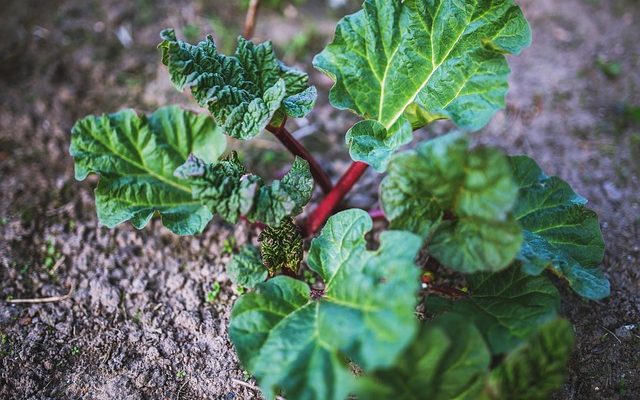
(621, 386)
(180, 375)
(51, 255)
(229, 245)
(611, 69)
(137, 317)
(631, 115)
(212, 294)
(246, 375)
(5, 345)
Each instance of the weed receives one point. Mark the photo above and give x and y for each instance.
(212, 294)
(229, 245)
(611, 69)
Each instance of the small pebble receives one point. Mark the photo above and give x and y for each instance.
(613, 193)
(624, 331)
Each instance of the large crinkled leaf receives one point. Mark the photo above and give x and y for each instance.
(224, 187)
(560, 232)
(460, 199)
(536, 369)
(402, 64)
(135, 157)
(301, 344)
(227, 189)
(507, 306)
(246, 268)
(244, 91)
(448, 360)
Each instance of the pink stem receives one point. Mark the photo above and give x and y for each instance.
(335, 196)
(377, 215)
(298, 149)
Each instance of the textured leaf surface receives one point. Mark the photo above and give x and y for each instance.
(227, 189)
(460, 199)
(224, 187)
(448, 360)
(535, 370)
(135, 157)
(406, 63)
(281, 247)
(246, 268)
(507, 306)
(299, 343)
(286, 197)
(560, 232)
(243, 91)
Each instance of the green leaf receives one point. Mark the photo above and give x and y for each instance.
(507, 306)
(460, 199)
(299, 105)
(246, 268)
(228, 190)
(301, 344)
(224, 187)
(448, 360)
(244, 91)
(369, 141)
(256, 314)
(535, 370)
(286, 197)
(560, 232)
(281, 247)
(135, 157)
(405, 63)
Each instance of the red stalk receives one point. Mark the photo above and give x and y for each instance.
(250, 21)
(377, 215)
(335, 196)
(298, 149)
(256, 224)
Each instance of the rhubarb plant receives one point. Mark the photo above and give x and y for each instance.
(495, 234)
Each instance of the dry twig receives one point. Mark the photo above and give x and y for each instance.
(613, 334)
(252, 387)
(250, 21)
(44, 299)
(60, 210)
(58, 264)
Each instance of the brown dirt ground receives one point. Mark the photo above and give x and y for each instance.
(136, 324)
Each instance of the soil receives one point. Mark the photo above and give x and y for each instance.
(134, 321)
